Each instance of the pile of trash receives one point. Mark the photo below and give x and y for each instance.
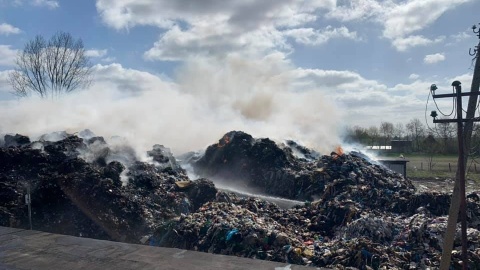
(261, 164)
(354, 214)
(253, 228)
(77, 189)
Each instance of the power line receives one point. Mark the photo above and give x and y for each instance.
(436, 105)
(461, 161)
(435, 129)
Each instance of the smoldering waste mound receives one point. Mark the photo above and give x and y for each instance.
(76, 187)
(356, 213)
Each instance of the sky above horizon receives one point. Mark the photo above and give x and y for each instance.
(358, 62)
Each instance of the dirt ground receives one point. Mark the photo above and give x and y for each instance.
(442, 184)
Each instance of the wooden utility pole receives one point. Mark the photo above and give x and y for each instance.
(455, 199)
(462, 202)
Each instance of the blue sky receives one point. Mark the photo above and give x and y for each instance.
(369, 60)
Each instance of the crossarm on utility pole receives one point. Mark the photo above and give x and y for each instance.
(455, 199)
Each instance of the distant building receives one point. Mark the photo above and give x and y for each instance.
(396, 146)
(401, 146)
(378, 147)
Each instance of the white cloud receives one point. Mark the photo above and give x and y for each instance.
(226, 39)
(400, 19)
(413, 76)
(334, 81)
(421, 88)
(7, 55)
(246, 15)
(359, 10)
(463, 35)
(127, 81)
(194, 28)
(465, 79)
(413, 97)
(405, 43)
(96, 53)
(434, 58)
(312, 36)
(455, 39)
(411, 16)
(212, 28)
(46, 3)
(108, 59)
(4, 84)
(7, 29)
(366, 102)
(417, 87)
(203, 40)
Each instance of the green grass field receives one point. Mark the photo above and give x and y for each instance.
(442, 167)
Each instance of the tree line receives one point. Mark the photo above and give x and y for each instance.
(438, 138)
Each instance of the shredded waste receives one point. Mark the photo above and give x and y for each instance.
(354, 213)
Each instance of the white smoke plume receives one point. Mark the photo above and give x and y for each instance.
(206, 98)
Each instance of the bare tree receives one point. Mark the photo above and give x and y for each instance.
(475, 141)
(51, 68)
(417, 130)
(431, 148)
(360, 135)
(399, 131)
(374, 134)
(446, 131)
(386, 129)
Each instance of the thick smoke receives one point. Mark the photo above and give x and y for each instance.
(206, 99)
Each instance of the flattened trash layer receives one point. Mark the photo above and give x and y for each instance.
(25, 249)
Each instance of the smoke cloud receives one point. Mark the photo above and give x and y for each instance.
(207, 98)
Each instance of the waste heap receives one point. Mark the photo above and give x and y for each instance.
(356, 215)
(261, 164)
(365, 215)
(70, 195)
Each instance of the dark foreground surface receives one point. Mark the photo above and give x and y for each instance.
(25, 249)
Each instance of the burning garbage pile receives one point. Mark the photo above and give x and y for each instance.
(262, 165)
(356, 213)
(353, 213)
(72, 196)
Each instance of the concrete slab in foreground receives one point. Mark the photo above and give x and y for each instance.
(25, 249)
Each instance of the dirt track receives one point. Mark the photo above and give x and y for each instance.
(441, 184)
